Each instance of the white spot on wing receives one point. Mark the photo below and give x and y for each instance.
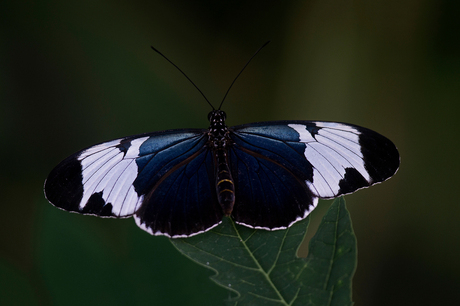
(334, 148)
(92, 163)
(99, 147)
(107, 169)
(336, 125)
(304, 134)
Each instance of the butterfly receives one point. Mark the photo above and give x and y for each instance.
(179, 183)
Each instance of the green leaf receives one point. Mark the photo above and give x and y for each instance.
(262, 267)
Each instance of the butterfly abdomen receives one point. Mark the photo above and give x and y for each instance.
(224, 182)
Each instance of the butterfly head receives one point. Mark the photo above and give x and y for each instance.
(217, 116)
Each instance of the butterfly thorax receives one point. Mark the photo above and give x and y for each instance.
(218, 131)
(219, 142)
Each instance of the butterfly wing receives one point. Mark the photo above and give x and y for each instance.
(162, 178)
(281, 168)
(184, 202)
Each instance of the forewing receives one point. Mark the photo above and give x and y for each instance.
(111, 179)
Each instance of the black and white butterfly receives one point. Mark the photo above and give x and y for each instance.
(180, 183)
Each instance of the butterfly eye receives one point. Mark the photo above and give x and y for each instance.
(224, 115)
(210, 115)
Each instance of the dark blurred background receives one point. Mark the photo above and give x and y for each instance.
(75, 73)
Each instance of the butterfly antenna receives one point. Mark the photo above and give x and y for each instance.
(241, 72)
(183, 74)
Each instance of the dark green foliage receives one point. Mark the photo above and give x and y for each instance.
(262, 267)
